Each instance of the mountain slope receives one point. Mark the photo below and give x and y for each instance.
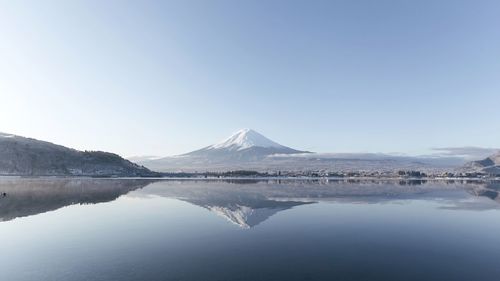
(244, 145)
(29, 157)
(239, 150)
(489, 165)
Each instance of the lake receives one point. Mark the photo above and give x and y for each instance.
(141, 229)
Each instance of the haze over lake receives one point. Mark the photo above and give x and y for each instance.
(113, 229)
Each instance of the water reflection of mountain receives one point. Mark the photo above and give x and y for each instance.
(26, 197)
(250, 204)
(246, 203)
(246, 212)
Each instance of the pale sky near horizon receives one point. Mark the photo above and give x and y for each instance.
(168, 77)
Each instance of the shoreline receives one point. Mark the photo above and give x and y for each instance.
(194, 178)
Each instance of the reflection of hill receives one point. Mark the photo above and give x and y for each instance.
(246, 205)
(25, 197)
(490, 190)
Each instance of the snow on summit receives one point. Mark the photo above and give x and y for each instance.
(245, 138)
(241, 148)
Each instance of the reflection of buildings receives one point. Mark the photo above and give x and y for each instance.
(244, 203)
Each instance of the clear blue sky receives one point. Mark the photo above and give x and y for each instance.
(167, 77)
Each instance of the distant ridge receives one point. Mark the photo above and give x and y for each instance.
(22, 156)
(489, 165)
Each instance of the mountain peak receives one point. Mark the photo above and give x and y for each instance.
(245, 138)
(244, 146)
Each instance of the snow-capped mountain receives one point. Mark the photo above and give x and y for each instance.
(235, 152)
(244, 145)
(245, 138)
(249, 150)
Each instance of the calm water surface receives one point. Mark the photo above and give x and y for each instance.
(87, 229)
